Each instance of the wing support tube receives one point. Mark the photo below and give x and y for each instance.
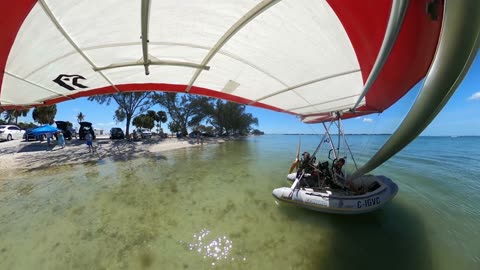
(154, 63)
(145, 20)
(458, 44)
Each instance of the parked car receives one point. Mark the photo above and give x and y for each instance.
(194, 134)
(145, 133)
(28, 136)
(116, 133)
(85, 127)
(66, 129)
(10, 132)
(142, 133)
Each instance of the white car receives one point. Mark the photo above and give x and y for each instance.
(10, 132)
(145, 133)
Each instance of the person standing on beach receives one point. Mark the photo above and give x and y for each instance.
(49, 138)
(88, 137)
(61, 139)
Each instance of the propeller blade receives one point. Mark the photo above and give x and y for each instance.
(297, 158)
(293, 167)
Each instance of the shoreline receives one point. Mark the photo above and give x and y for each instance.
(23, 155)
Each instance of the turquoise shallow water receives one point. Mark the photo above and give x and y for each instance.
(211, 208)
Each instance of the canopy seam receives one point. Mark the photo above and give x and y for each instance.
(244, 20)
(52, 17)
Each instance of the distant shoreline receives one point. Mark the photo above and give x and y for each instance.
(361, 134)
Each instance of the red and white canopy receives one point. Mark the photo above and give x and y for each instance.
(303, 57)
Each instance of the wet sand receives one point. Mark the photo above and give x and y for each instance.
(20, 154)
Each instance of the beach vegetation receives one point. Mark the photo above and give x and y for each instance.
(230, 117)
(11, 116)
(129, 104)
(184, 110)
(174, 127)
(206, 129)
(159, 117)
(80, 117)
(257, 132)
(45, 114)
(143, 121)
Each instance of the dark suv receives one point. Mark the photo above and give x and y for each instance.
(66, 129)
(116, 133)
(86, 127)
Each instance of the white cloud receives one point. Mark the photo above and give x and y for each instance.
(475, 96)
(367, 120)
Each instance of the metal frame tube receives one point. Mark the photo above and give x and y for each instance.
(323, 139)
(457, 47)
(330, 139)
(145, 17)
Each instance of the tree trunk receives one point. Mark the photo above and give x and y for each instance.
(127, 128)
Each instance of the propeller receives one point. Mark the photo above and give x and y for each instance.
(297, 158)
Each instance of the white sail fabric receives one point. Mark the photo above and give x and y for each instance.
(293, 55)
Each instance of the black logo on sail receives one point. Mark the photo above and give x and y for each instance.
(70, 82)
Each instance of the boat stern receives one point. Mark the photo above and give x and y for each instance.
(282, 193)
(392, 187)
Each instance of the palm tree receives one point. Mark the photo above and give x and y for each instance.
(161, 117)
(10, 115)
(80, 117)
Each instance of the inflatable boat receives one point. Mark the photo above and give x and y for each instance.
(375, 192)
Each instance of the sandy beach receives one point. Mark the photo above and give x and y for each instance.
(20, 154)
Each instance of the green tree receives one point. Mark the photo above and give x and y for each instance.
(26, 125)
(129, 105)
(206, 129)
(184, 110)
(159, 117)
(152, 114)
(11, 115)
(162, 116)
(231, 118)
(257, 132)
(174, 127)
(217, 116)
(80, 117)
(45, 114)
(143, 121)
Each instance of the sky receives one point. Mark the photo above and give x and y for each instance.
(460, 117)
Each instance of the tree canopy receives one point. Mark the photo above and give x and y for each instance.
(80, 117)
(184, 110)
(174, 127)
(45, 114)
(12, 115)
(129, 105)
(143, 121)
(231, 118)
(159, 117)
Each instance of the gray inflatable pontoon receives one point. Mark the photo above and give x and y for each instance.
(378, 191)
